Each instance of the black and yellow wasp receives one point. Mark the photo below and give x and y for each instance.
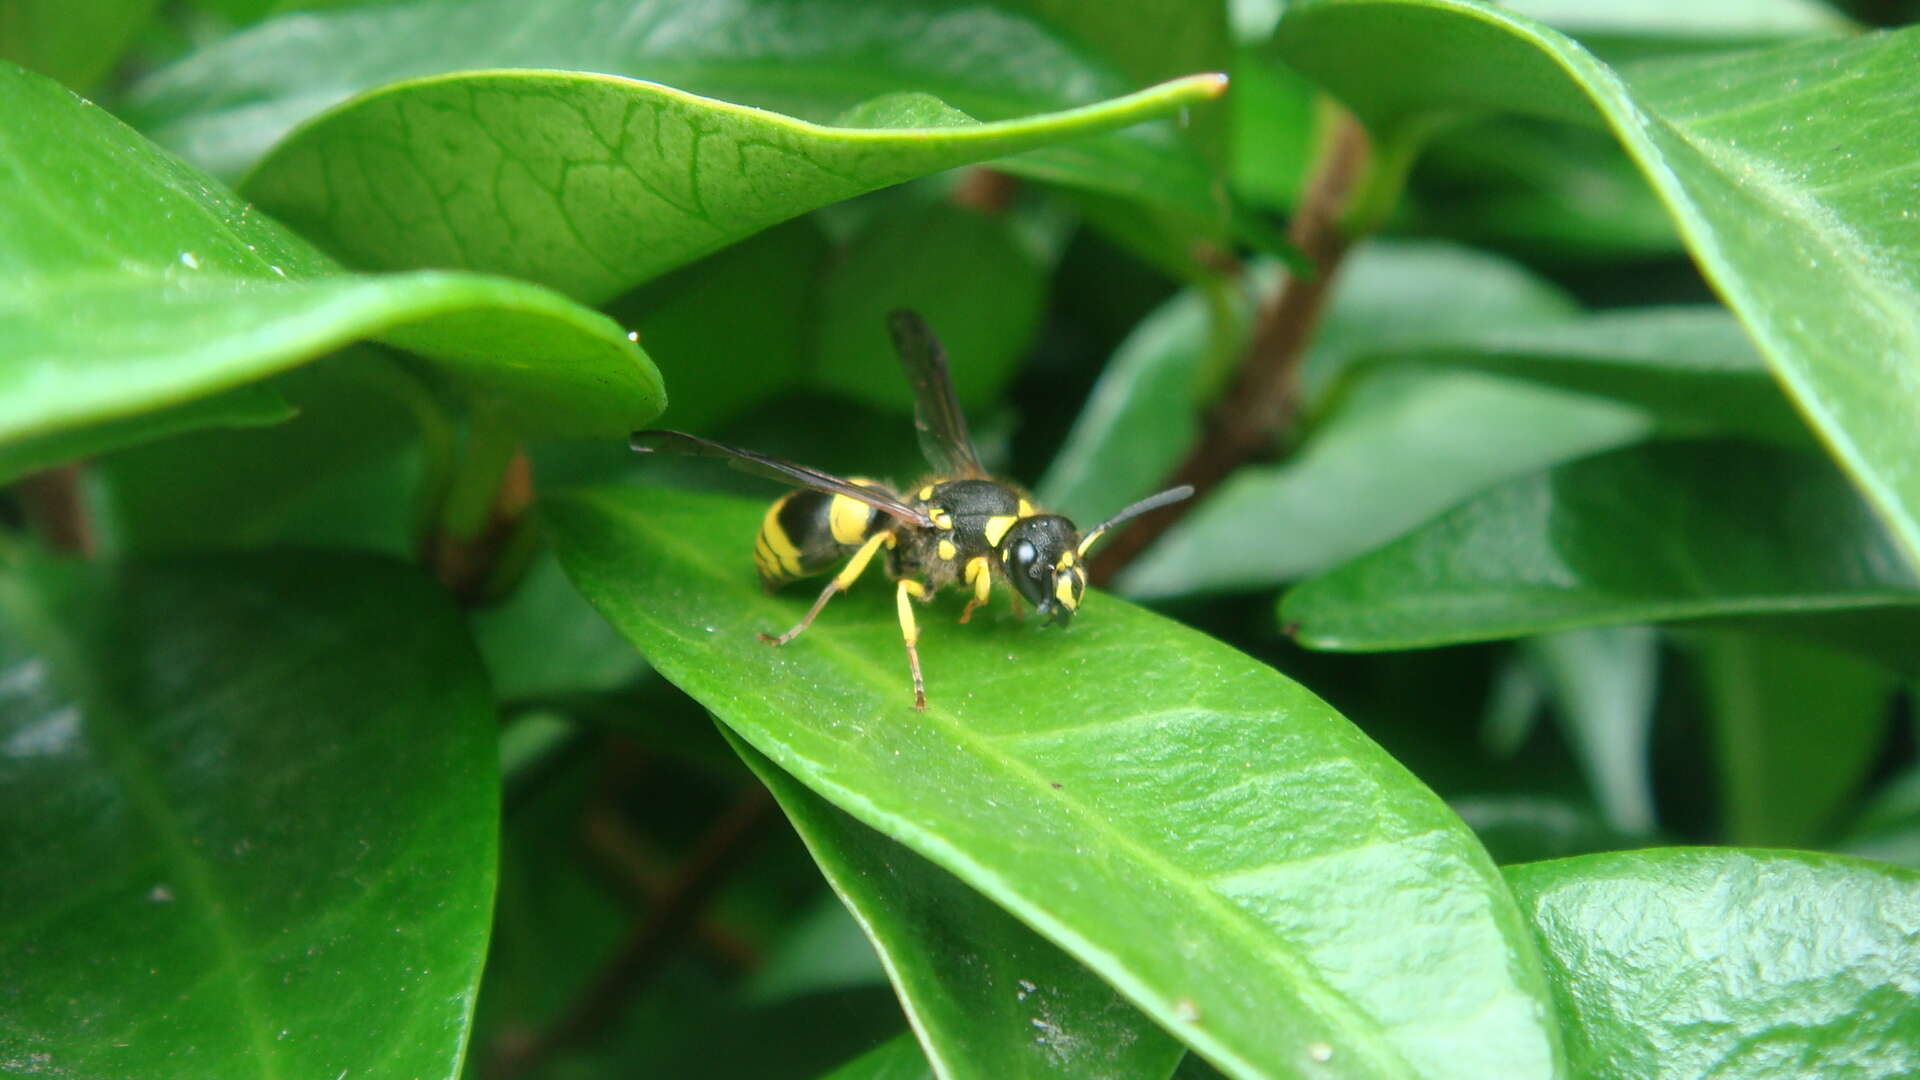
(960, 526)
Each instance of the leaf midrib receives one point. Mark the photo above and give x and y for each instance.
(104, 719)
(1334, 1007)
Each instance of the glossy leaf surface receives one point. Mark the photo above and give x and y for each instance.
(593, 184)
(897, 1059)
(254, 405)
(990, 998)
(1144, 412)
(1730, 963)
(812, 59)
(245, 836)
(1603, 682)
(1795, 727)
(1403, 447)
(1669, 531)
(1786, 171)
(1692, 368)
(135, 284)
(1084, 782)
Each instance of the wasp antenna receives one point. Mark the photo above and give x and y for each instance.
(1152, 502)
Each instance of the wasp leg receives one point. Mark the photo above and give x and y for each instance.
(904, 597)
(841, 582)
(981, 578)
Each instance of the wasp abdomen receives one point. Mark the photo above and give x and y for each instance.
(806, 532)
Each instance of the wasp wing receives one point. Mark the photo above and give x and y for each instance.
(786, 472)
(936, 411)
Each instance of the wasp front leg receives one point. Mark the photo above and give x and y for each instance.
(904, 596)
(841, 582)
(980, 576)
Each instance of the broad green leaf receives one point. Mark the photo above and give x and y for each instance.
(1698, 20)
(74, 41)
(898, 1059)
(594, 184)
(246, 837)
(544, 640)
(750, 305)
(978, 286)
(812, 59)
(1795, 728)
(989, 997)
(1729, 963)
(826, 950)
(1888, 828)
(1785, 171)
(1557, 192)
(345, 473)
(1604, 681)
(1401, 448)
(1692, 368)
(1346, 921)
(137, 284)
(1649, 534)
(1524, 827)
(255, 405)
(1144, 412)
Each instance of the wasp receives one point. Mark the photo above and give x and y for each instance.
(959, 527)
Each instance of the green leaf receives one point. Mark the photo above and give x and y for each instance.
(73, 41)
(1604, 682)
(1649, 534)
(250, 406)
(1728, 963)
(1888, 828)
(898, 1059)
(989, 997)
(751, 303)
(1144, 412)
(246, 838)
(1699, 21)
(544, 640)
(978, 286)
(1525, 827)
(1080, 780)
(1403, 447)
(137, 284)
(345, 473)
(1795, 729)
(594, 184)
(1692, 368)
(1785, 171)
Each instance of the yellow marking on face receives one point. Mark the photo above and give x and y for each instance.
(1026, 508)
(1063, 591)
(778, 543)
(947, 549)
(1066, 561)
(926, 493)
(997, 527)
(848, 518)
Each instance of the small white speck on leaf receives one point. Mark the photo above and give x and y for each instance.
(189, 260)
(633, 336)
(1320, 1052)
(1025, 989)
(160, 894)
(1185, 1009)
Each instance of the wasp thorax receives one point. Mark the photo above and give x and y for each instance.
(1041, 558)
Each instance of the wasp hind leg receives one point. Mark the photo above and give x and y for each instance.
(980, 576)
(841, 582)
(904, 596)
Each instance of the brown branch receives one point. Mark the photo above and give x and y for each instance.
(642, 877)
(1264, 397)
(56, 509)
(653, 937)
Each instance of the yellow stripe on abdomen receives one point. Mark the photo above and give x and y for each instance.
(848, 518)
(779, 545)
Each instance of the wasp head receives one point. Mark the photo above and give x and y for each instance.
(1041, 557)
